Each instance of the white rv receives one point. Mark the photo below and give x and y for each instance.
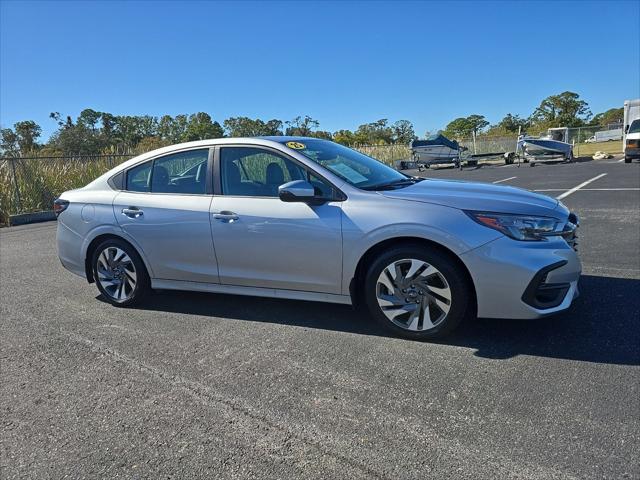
(631, 139)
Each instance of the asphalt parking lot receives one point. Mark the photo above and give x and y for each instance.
(195, 385)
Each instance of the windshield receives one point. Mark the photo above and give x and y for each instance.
(635, 126)
(353, 167)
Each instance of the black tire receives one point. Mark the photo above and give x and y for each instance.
(142, 283)
(569, 157)
(447, 266)
(627, 159)
(509, 158)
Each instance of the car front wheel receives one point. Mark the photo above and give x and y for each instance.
(417, 293)
(119, 273)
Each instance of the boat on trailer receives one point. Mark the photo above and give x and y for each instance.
(554, 144)
(436, 149)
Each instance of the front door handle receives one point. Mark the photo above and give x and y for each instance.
(226, 216)
(132, 212)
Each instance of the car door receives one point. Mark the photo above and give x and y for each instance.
(261, 241)
(165, 208)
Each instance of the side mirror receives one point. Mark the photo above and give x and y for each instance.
(296, 191)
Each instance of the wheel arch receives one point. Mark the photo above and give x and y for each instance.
(355, 285)
(97, 241)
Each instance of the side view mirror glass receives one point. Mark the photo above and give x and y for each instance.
(296, 191)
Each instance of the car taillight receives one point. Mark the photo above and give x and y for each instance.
(59, 206)
(633, 143)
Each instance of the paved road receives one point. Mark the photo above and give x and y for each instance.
(237, 387)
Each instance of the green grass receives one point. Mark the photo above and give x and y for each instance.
(588, 149)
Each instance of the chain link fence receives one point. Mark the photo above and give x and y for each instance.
(586, 140)
(31, 184)
(487, 144)
(589, 140)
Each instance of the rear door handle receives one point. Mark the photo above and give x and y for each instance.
(226, 216)
(132, 212)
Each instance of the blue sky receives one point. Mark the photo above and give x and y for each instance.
(342, 63)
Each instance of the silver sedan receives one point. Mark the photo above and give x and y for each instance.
(308, 219)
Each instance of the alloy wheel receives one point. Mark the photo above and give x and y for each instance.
(413, 294)
(116, 273)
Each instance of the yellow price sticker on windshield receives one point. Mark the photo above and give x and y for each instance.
(296, 145)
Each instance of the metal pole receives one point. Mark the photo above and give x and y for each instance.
(17, 190)
(518, 141)
(474, 142)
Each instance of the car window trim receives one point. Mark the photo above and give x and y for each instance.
(208, 178)
(217, 171)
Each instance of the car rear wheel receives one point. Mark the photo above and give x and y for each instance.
(416, 293)
(627, 159)
(119, 273)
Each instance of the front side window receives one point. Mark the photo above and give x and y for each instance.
(183, 172)
(255, 172)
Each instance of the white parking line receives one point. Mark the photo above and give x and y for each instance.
(575, 189)
(504, 179)
(621, 160)
(590, 190)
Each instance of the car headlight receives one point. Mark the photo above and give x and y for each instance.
(518, 227)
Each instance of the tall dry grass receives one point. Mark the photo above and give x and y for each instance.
(39, 181)
(386, 153)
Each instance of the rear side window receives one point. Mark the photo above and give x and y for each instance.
(138, 178)
(183, 172)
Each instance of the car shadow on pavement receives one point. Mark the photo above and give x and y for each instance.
(602, 326)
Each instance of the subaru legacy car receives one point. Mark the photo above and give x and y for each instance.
(308, 219)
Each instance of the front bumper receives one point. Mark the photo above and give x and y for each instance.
(523, 280)
(632, 152)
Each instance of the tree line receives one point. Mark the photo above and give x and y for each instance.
(566, 109)
(94, 132)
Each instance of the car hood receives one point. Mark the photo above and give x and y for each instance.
(480, 197)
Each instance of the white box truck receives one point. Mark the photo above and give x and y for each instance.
(606, 136)
(631, 138)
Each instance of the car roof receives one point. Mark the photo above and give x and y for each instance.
(264, 140)
(267, 141)
(289, 138)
